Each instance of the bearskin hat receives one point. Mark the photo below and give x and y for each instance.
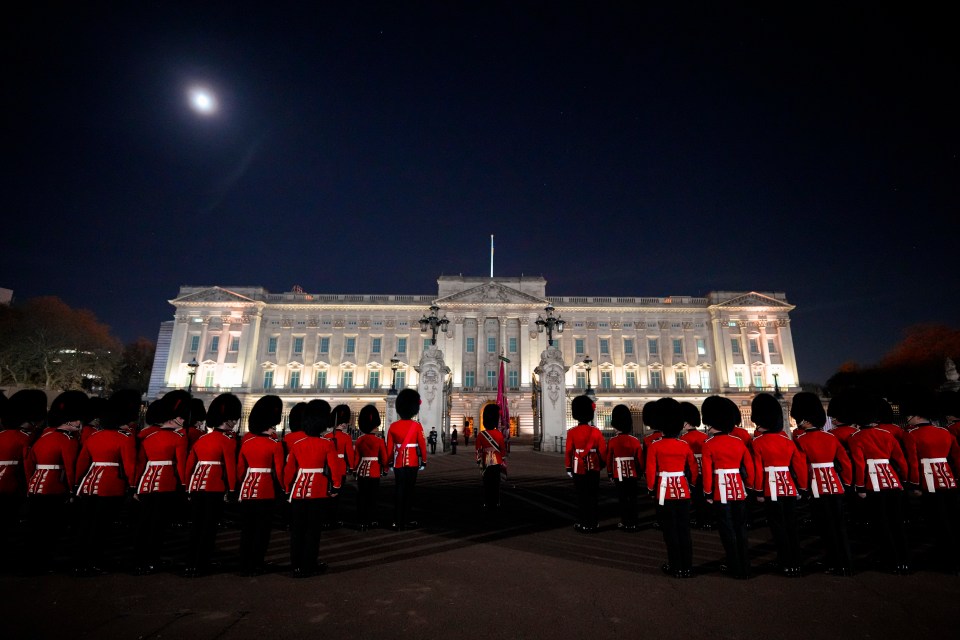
(369, 419)
(621, 419)
(341, 414)
(691, 415)
(408, 404)
(223, 408)
(25, 406)
(649, 415)
(669, 417)
(916, 401)
(197, 412)
(266, 413)
(721, 414)
(582, 408)
(96, 406)
(316, 417)
(69, 406)
(122, 408)
(864, 407)
(840, 407)
(949, 404)
(295, 417)
(807, 406)
(175, 404)
(766, 413)
(885, 413)
(491, 416)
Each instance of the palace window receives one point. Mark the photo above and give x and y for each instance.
(491, 379)
(705, 380)
(491, 344)
(298, 345)
(757, 379)
(631, 379)
(349, 346)
(578, 346)
(324, 346)
(755, 347)
(677, 347)
(194, 343)
(653, 346)
(513, 379)
(735, 346)
(681, 380)
(738, 379)
(604, 347)
(272, 344)
(701, 347)
(427, 343)
(401, 345)
(208, 382)
(235, 343)
(321, 379)
(294, 379)
(373, 380)
(656, 381)
(400, 380)
(628, 347)
(214, 344)
(469, 379)
(347, 380)
(771, 345)
(606, 379)
(268, 379)
(512, 345)
(375, 344)
(581, 380)
(471, 345)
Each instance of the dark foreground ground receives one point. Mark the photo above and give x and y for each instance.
(526, 574)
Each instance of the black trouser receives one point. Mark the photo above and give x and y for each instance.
(627, 496)
(405, 479)
(156, 512)
(47, 520)
(433, 447)
(885, 509)
(367, 490)
(10, 506)
(306, 523)
(206, 510)
(940, 516)
(828, 512)
(256, 521)
(453, 446)
(732, 525)
(491, 486)
(782, 518)
(674, 517)
(587, 486)
(97, 515)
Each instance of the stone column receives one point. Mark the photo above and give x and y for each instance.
(390, 414)
(432, 385)
(553, 399)
(786, 349)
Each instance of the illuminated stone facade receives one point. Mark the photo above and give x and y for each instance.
(339, 346)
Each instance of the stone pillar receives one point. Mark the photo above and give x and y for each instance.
(390, 414)
(432, 388)
(786, 349)
(553, 399)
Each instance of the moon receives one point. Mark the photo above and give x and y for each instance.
(203, 101)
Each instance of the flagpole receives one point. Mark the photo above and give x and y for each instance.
(491, 256)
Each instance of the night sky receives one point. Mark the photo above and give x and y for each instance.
(613, 148)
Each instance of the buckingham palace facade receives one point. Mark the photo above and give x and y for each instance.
(353, 348)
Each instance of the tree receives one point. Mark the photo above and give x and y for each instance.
(45, 342)
(136, 362)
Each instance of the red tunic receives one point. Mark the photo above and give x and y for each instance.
(406, 445)
(212, 463)
(586, 449)
(489, 453)
(743, 434)
(726, 464)
(624, 457)
(843, 433)
(669, 460)
(311, 468)
(345, 451)
(86, 431)
(162, 461)
(877, 458)
(933, 458)
(824, 453)
(650, 438)
(50, 464)
(14, 445)
(260, 461)
(778, 466)
(372, 455)
(290, 438)
(695, 438)
(107, 464)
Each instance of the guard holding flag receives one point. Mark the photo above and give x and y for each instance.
(489, 445)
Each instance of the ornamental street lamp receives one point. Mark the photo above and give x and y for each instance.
(587, 361)
(394, 365)
(192, 371)
(550, 323)
(433, 323)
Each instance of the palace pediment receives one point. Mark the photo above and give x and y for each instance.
(752, 300)
(213, 294)
(491, 293)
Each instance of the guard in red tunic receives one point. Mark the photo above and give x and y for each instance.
(840, 411)
(371, 466)
(727, 473)
(295, 427)
(260, 466)
(624, 466)
(407, 449)
(346, 455)
(670, 470)
(585, 455)
(161, 469)
(312, 478)
(106, 468)
(211, 477)
(933, 460)
(490, 454)
(878, 466)
(648, 416)
(92, 418)
(830, 473)
(693, 436)
(20, 416)
(779, 471)
(50, 467)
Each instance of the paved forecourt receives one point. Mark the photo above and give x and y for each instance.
(524, 573)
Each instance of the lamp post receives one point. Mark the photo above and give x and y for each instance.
(550, 323)
(776, 386)
(587, 361)
(433, 323)
(192, 371)
(394, 365)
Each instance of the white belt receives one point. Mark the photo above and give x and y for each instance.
(369, 458)
(814, 485)
(576, 460)
(300, 473)
(259, 470)
(622, 464)
(772, 479)
(49, 467)
(928, 471)
(872, 465)
(209, 463)
(9, 463)
(104, 464)
(663, 482)
(722, 482)
(340, 455)
(159, 463)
